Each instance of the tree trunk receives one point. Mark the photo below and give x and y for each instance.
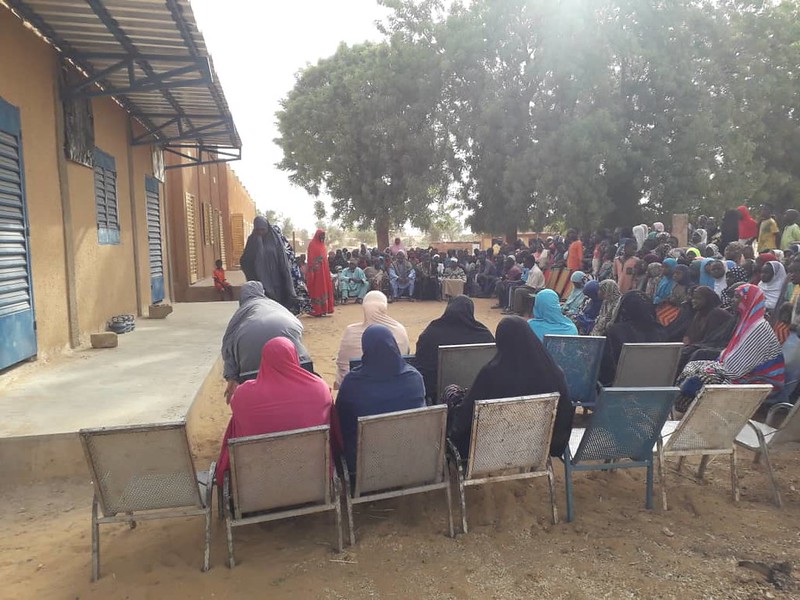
(382, 232)
(511, 235)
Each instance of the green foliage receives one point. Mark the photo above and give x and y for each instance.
(528, 112)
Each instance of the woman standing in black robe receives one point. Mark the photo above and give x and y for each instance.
(264, 260)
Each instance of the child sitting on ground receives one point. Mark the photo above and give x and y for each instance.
(220, 283)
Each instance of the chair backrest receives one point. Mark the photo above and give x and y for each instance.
(648, 365)
(401, 449)
(141, 467)
(511, 433)
(409, 358)
(716, 416)
(279, 470)
(626, 423)
(789, 432)
(579, 356)
(460, 364)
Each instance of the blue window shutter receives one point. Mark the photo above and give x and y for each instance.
(105, 196)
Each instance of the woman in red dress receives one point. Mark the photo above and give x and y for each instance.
(318, 276)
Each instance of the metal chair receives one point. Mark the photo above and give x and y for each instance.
(767, 438)
(141, 473)
(647, 365)
(280, 475)
(624, 429)
(579, 356)
(460, 364)
(399, 454)
(508, 434)
(709, 428)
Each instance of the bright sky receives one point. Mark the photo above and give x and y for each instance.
(257, 47)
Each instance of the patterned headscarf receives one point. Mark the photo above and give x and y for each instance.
(608, 311)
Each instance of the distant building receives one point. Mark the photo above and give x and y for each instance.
(92, 96)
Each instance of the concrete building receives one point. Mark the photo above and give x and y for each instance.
(92, 95)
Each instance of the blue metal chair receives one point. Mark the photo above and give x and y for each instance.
(579, 357)
(622, 433)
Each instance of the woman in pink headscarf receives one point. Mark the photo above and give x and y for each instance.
(283, 397)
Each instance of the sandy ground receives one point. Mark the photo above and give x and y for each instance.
(614, 549)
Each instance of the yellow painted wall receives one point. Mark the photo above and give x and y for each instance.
(27, 80)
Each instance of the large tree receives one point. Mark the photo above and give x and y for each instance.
(361, 126)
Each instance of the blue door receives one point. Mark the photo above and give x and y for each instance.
(17, 322)
(154, 240)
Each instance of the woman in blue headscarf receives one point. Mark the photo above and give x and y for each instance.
(548, 318)
(585, 319)
(576, 297)
(383, 383)
(666, 285)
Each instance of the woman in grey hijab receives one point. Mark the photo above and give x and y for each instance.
(264, 260)
(257, 320)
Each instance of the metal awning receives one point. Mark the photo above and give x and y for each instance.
(150, 56)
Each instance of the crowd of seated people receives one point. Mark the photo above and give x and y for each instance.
(731, 295)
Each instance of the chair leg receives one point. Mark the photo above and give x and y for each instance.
(568, 485)
(337, 492)
(348, 501)
(649, 493)
(95, 542)
(462, 499)
(680, 464)
(701, 470)
(228, 529)
(131, 523)
(551, 482)
(449, 496)
(209, 508)
(776, 495)
(734, 476)
(662, 474)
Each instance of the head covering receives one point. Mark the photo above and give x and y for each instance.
(548, 318)
(318, 275)
(576, 297)
(753, 355)
(651, 258)
(282, 397)
(635, 308)
(707, 280)
(667, 284)
(684, 272)
(585, 319)
(521, 367)
(455, 327)
(658, 226)
(257, 320)
(773, 288)
(375, 307)
(608, 311)
(639, 234)
(710, 319)
(748, 228)
(264, 259)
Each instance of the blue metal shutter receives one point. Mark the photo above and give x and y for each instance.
(17, 322)
(154, 240)
(105, 197)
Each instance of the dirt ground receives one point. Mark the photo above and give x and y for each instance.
(614, 548)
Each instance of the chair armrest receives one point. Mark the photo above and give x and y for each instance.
(775, 408)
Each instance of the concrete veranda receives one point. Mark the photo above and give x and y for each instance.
(153, 376)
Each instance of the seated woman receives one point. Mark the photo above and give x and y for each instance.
(636, 323)
(521, 367)
(666, 282)
(654, 276)
(610, 295)
(669, 309)
(283, 397)
(709, 329)
(574, 303)
(383, 383)
(548, 318)
(753, 354)
(376, 312)
(586, 317)
(456, 326)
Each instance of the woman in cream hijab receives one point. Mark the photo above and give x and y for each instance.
(375, 307)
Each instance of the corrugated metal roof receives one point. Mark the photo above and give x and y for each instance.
(150, 56)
